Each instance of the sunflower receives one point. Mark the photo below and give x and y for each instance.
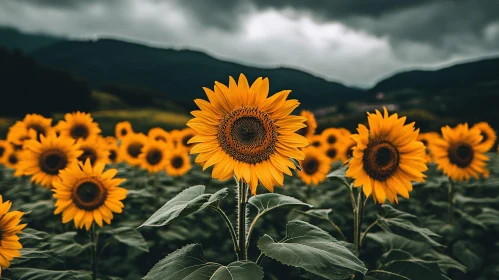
(57, 128)
(317, 141)
(159, 134)
(38, 123)
(154, 156)
(428, 139)
(332, 152)
(5, 149)
(387, 157)
(178, 162)
(86, 194)
(460, 153)
(93, 148)
(43, 160)
(18, 133)
(315, 166)
(176, 136)
(345, 132)
(79, 125)
(310, 122)
(488, 134)
(110, 140)
(9, 228)
(131, 146)
(114, 152)
(186, 135)
(345, 147)
(332, 136)
(12, 159)
(123, 129)
(242, 132)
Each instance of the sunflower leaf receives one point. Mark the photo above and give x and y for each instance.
(130, 237)
(42, 274)
(189, 262)
(270, 201)
(340, 175)
(187, 202)
(309, 247)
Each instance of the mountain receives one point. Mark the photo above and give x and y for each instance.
(11, 38)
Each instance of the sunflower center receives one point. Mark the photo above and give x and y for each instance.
(89, 194)
(13, 159)
(484, 136)
(79, 131)
(134, 149)
(310, 166)
(112, 155)
(51, 161)
(186, 139)
(88, 153)
(2, 150)
(248, 135)
(160, 138)
(316, 143)
(331, 139)
(124, 132)
(153, 157)
(381, 159)
(331, 152)
(462, 155)
(177, 162)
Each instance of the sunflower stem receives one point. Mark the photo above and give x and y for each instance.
(242, 219)
(94, 250)
(231, 229)
(358, 211)
(451, 201)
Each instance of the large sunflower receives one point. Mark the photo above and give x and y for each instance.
(38, 123)
(131, 146)
(488, 134)
(460, 153)
(428, 139)
(9, 228)
(86, 194)
(332, 136)
(79, 125)
(315, 166)
(123, 129)
(43, 160)
(317, 141)
(159, 134)
(18, 133)
(154, 156)
(243, 132)
(93, 148)
(5, 149)
(310, 122)
(186, 135)
(387, 157)
(178, 162)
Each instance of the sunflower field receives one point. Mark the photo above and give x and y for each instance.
(250, 189)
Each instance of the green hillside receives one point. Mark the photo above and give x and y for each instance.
(11, 38)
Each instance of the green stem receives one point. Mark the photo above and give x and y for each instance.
(93, 256)
(250, 230)
(231, 229)
(241, 219)
(367, 231)
(338, 230)
(358, 211)
(451, 201)
(259, 259)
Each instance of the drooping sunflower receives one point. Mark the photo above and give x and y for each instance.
(178, 162)
(460, 153)
(87, 194)
(123, 129)
(45, 158)
(10, 226)
(18, 133)
(79, 125)
(154, 156)
(387, 157)
(310, 122)
(38, 123)
(345, 147)
(186, 135)
(332, 135)
(315, 166)
(5, 149)
(488, 134)
(131, 147)
(332, 152)
(428, 139)
(317, 141)
(159, 134)
(243, 132)
(93, 148)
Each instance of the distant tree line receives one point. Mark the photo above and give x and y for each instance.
(27, 87)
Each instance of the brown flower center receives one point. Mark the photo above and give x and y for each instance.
(51, 161)
(461, 155)
(134, 148)
(123, 132)
(248, 135)
(177, 162)
(160, 138)
(79, 131)
(89, 194)
(332, 139)
(310, 165)
(88, 153)
(316, 143)
(154, 156)
(113, 155)
(13, 159)
(331, 152)
(381, 159)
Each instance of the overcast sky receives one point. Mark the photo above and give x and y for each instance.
(356, 42)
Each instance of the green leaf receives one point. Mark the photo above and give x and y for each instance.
(489, 217)
(463, 251)
(64, 245)
(322, 214)
(413, 269)
(130, 237)
(309, 247)
(189, 263)
(184, 204)
(42, 274)
(296, 163)
(340, 175)
(270, 201)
